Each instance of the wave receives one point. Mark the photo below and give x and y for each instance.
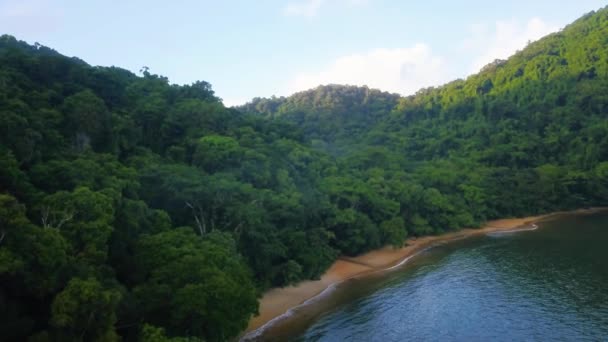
(252, 335)
(259, 331)
(516, 230)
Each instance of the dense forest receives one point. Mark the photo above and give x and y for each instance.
(134, 209)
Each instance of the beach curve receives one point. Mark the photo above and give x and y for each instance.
(280, 303)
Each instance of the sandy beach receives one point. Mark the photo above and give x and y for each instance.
(277, 301)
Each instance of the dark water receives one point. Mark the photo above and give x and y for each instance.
(544, 285)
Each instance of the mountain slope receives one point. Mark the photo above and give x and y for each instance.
(329, 115)
(541, 115)
(132, 208)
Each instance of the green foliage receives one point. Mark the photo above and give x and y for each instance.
(151, 333)
(215, 151)
(87, 119)
(12, 221)
(393, 232)
(84, 310)
(331, 114)
(98, 168)
(194, 284)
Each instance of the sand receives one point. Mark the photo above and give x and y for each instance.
(277, 301)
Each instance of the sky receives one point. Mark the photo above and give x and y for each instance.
(260, 48)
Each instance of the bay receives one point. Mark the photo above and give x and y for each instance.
(546, 284)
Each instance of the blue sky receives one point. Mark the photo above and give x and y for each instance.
(267, 47)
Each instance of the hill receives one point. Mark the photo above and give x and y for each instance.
(133, 208)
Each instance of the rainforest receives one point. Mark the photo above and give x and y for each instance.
(136, 209)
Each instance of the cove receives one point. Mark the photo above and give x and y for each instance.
(546, 284)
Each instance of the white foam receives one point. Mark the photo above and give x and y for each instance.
(517, 230)
(252, 335)
(402, 262)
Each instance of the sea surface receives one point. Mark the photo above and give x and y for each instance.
(548, 284)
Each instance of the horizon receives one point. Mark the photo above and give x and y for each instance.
(307, 52)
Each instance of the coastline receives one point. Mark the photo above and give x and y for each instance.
(277, 302)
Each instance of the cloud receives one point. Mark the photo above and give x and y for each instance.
(406, 70)
(401, 70)
(356, 2)
(12, 9)
(310, 8)
(234, 101)
(28, 17)
(504, 39)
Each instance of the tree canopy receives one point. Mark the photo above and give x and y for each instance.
(136, 209)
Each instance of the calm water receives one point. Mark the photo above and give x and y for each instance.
(547, 284)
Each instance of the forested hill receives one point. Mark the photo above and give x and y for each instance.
(132, 208)
(330, 116)
(562, 72)
(525, 134)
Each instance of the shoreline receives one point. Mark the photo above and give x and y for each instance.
(278, 303)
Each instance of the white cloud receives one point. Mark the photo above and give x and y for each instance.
(504, 39)
(357, 2)
(20, 8)
(234, 101)
(401, 70)
(310, 8)
(23, 17)
(407, 70)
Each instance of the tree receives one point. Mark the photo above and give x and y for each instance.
(99, 165)
(12, 221)
(393, 232)
(87, 119)
(151, 333)
(601, 174)
(84, 218)
(196, 285)
(85, 310)
(215, 152)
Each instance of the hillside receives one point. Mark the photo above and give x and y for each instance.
(330, 116)
(133, 208)
(536, 120)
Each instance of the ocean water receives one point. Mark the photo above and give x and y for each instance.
(549, 284)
